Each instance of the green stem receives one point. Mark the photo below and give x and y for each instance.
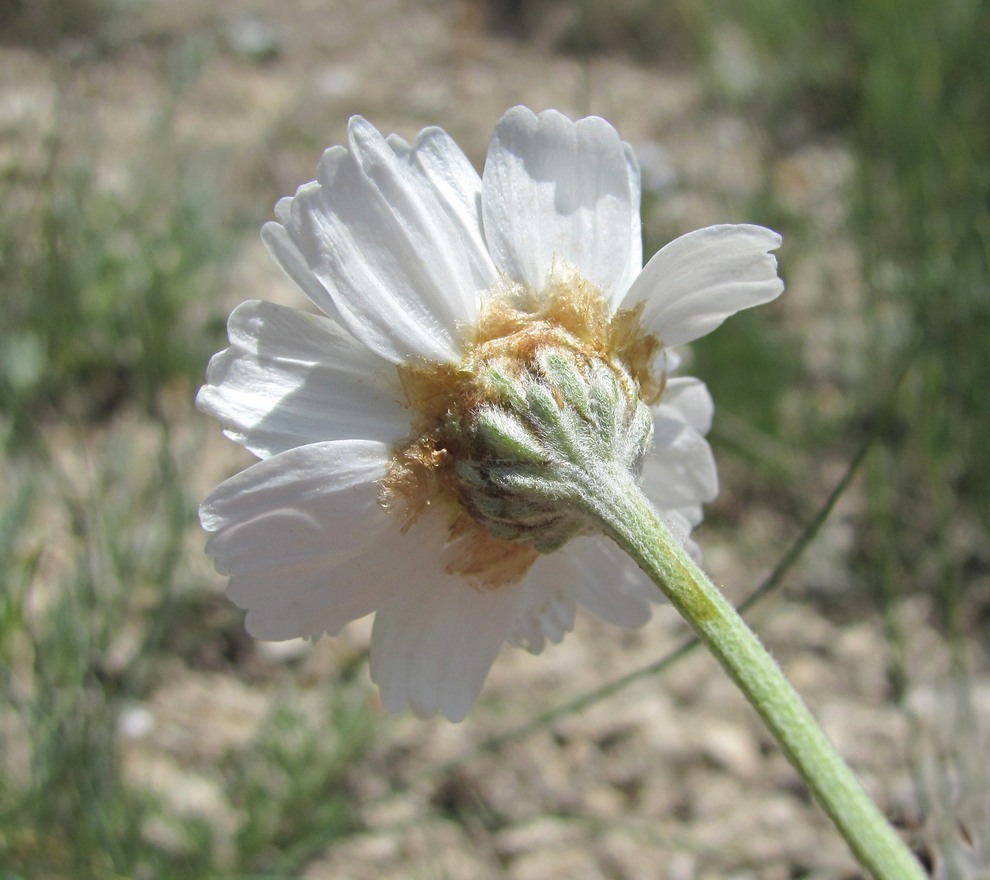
(551, 453)
(624, 513)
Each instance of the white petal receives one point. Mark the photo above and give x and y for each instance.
(389, 246)
(689, 400)
(690, 516)
(301, 535)
(635, 266)
(287, 600)
(284, 251)
(610, 585)
(451, 174)
(433, 645)
(556, 191)
(290, 379)
(681, 522)
(310, 472)
(680, 469)
(548, 607)
(698, 280)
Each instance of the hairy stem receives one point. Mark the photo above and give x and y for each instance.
(621, 510)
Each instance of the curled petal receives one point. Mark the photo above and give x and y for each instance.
(289, 379)
(610, 585)
(450, 173)
(300, 535)
(680, 470)
(688, 399)
(390, 238)
(698, 280)
(548, 607)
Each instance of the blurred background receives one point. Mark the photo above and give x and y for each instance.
(144, 735)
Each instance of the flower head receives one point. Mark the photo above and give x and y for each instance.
(477, 334)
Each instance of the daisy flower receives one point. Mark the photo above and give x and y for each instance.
(390, 427)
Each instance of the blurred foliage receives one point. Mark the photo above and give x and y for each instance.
(47, 21)
(923, 131)
(64, 808)
(90, 608)
(904, 84)
(749, 368)
(103, 264)
(292, 785)
(649, 31)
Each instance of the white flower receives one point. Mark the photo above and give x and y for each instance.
(407, 251)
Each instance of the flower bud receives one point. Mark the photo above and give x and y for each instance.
(566, 418)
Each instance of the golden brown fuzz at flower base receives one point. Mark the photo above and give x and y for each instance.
(515, 326)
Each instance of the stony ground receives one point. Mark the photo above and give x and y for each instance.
(674, 776)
